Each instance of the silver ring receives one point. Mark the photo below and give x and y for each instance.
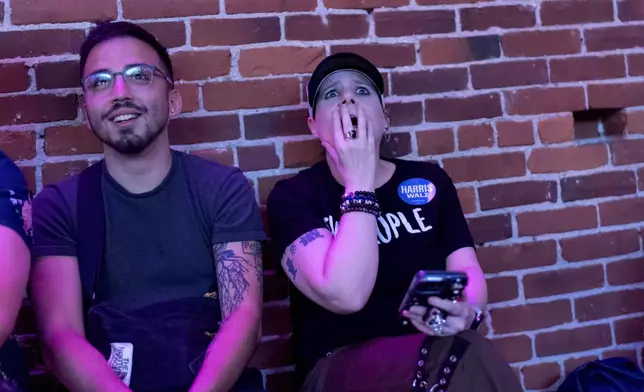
(352, 134)
(435, 321)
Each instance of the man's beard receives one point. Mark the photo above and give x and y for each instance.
(128, 142)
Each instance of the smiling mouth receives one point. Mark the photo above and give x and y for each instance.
(125, 118)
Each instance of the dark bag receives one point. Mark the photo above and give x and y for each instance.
(157, 348)
(606, 375)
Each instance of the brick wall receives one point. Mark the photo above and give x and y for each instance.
(531, 106)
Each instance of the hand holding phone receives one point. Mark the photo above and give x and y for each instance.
(447, 285)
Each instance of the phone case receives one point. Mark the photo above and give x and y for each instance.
(443, 284)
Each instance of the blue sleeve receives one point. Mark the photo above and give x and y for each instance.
(15, 200)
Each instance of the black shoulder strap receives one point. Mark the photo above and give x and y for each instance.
(91, 230)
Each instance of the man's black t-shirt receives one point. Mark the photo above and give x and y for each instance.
(421, 224)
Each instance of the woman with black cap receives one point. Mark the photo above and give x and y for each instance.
(352, 231)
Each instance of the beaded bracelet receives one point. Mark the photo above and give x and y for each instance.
(360, 201)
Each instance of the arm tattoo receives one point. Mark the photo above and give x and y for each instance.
(291, 267)
(233, 285)
(310, 237)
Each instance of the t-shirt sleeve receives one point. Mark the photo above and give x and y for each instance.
(290, 215)
(53, 229)
(236, 215)
(454, 232)
(15, 201)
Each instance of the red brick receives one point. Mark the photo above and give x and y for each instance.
(276, 320)
(71, 140)
(463, 108)
(563, 281)
(517, 194)
(302, 154)
(545, 100)
(397, 144)
(563, 220)
(25, 109)
(621, 212)
(146, 9)
(467, 199)
(275, 286)
(514, 133)
(531, 317)
(192, 130)
(435, 141)
(573, 363)
(189, 97)
(485, 167)
(636, 64)
(279, 60)
(405, 113)
(624, 353)
(429, 82)
(627, 152)
(595, 246)
(253, 158)
(635, 122)
(509, 73)
(502, 289)
(251, 94)
(313, 28)
(382, 55)
(541, 376)
(629, 330)
(442, 2)
(615, 95)
(411, 23)
(254, 6)
(266, 185)
(475, 136)
(196, 65)
(459, 50)
(29, 172)
(490, 228)
(271, 354)
(569, 12)
(64, 74)
(14, 77)
(515, 348)
(640, 176)
(65, 11)
(221, 156)
(525, 255)
(598, 185)
(630, 10)
(587, 68)
(616, 37)
(573, 340)
(556, 160)
(541, 43)
(267, 125)
(625, 272)
(34, 43)
(505, 17)
(364, 4)
(54, 172)
(237, 31)
(281, 382)
(606, 305)
(557, 129)
(169, 34)
(18, 145)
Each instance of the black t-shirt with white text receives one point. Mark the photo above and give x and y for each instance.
(421, 224)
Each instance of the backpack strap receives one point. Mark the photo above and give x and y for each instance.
(91, 231)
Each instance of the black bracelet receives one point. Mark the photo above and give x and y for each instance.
(360, 201)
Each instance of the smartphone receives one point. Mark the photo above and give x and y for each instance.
(443, 284)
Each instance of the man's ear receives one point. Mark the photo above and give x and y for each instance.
(312, 126)
(83, 105)
(175, 102)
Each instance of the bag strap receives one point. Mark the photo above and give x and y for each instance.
(447, 368)
(91, 230)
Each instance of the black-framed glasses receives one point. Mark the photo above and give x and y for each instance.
(135, 75)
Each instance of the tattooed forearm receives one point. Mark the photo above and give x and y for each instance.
(232, 270)
(310, 237)
(291, 267)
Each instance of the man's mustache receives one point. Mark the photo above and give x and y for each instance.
(124, 104)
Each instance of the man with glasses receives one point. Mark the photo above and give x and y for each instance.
(147, 271)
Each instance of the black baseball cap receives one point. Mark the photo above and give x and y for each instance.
(343, 61)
